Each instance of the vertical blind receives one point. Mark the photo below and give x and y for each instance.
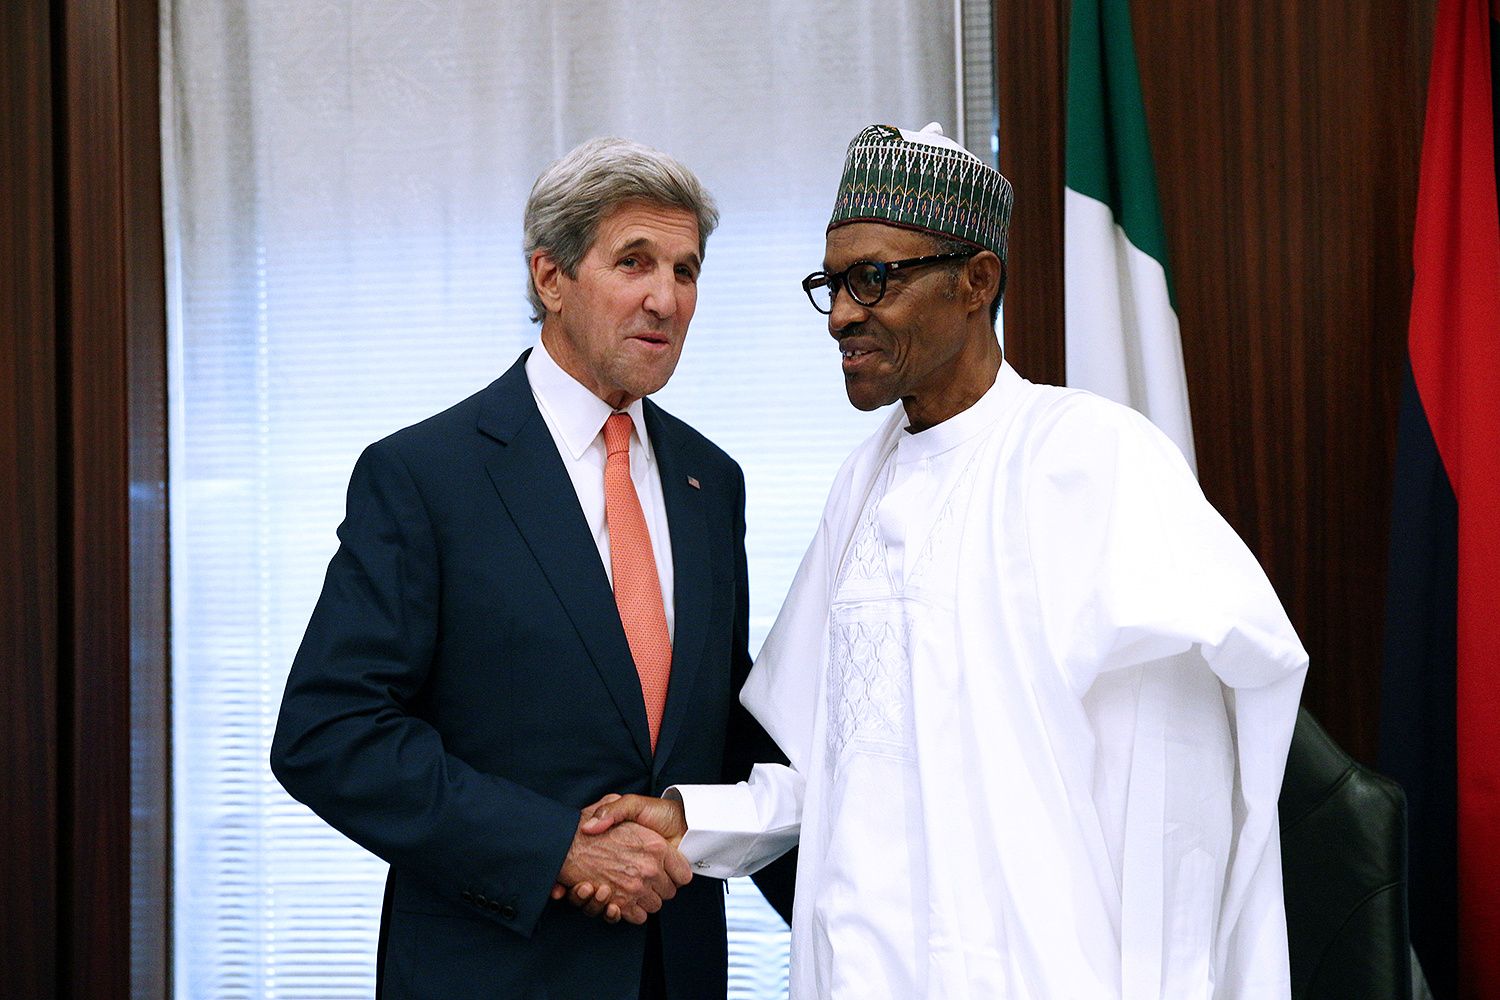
(344, 185)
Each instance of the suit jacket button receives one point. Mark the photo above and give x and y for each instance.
(466, 896)
(508, 912)
(492, 906)
(479, 900)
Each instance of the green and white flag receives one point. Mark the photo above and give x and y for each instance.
(1122, 334)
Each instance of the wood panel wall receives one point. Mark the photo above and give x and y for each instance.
(83, 810)
(29, 579)
(1287, 140)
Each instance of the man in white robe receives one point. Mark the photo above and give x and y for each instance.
(1036, 694)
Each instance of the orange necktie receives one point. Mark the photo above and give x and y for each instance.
(633, 564)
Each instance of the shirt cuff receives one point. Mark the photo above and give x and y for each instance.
(722, 826)
(739, 829)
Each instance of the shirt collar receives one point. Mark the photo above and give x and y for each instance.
(983, 414)
(576, 413)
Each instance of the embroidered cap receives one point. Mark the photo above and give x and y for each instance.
(923, 181)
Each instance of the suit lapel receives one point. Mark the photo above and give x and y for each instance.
(691, 577)
(534, 485)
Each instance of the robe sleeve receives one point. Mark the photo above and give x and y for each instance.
(737, 829)
(1133, 564)
(784, 687)
(1134, 568)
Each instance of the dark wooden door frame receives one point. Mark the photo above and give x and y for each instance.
(85, 905)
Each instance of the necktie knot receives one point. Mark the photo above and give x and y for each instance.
(617, 433)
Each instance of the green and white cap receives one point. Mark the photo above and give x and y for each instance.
(923, 181)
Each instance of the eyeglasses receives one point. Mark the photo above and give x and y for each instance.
(865, 279)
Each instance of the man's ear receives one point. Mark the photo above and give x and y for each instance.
(547, 277)
(982, 281)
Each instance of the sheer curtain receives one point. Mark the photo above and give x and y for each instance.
(344, 184)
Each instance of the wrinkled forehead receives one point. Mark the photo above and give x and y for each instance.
(667, 228)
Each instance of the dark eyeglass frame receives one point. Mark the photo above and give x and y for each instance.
(832, 281)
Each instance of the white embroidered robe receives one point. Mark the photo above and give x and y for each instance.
(1037, 697)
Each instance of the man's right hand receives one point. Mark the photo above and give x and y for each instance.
(623, 871)
(665, 816)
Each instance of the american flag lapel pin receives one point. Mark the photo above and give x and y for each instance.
(694, 483)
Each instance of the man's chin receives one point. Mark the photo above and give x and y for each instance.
(864, 397)
(645, 386)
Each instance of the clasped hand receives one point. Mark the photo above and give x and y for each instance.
(624, 861)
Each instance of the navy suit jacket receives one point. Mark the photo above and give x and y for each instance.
(465, 687)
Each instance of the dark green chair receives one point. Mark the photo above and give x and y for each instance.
(1343, 860)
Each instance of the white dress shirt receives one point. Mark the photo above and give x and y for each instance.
(575, 417)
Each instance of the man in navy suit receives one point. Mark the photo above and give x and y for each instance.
(483, 663)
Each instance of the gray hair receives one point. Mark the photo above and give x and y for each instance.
(575, 193)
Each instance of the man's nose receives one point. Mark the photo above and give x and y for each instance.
(661, 295)
(845, 312)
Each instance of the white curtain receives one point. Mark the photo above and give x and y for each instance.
(344, 184)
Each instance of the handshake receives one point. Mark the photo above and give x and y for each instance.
(624, 860)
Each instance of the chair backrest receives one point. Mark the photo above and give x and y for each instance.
(1343, 860)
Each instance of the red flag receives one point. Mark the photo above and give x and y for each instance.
(1455, 354)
